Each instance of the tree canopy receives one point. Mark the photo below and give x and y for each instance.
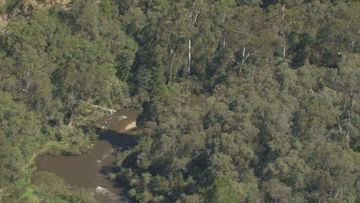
(241, 100)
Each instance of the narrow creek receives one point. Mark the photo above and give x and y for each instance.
(90, 170)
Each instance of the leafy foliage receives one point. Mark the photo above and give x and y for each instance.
(275, 120)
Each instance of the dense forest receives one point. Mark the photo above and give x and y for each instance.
(242, 100)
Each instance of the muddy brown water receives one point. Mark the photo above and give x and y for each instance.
(90, 170)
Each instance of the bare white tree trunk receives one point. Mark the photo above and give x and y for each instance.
(189, 57)
(223, 21)
(172, 55)
(283, 32)
(337, 193)
(284, 51)
(28, 81)
(193, 19)
(349, 113)
(244, 57)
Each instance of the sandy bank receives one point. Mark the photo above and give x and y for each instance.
(130, 126)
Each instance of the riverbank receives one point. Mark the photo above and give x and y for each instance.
(32, 190)
(91, 170)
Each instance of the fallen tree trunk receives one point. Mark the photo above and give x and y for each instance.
(111, 111)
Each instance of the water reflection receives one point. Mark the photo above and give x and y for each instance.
(118, 140)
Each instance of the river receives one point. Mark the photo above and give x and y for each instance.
(90, 170)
